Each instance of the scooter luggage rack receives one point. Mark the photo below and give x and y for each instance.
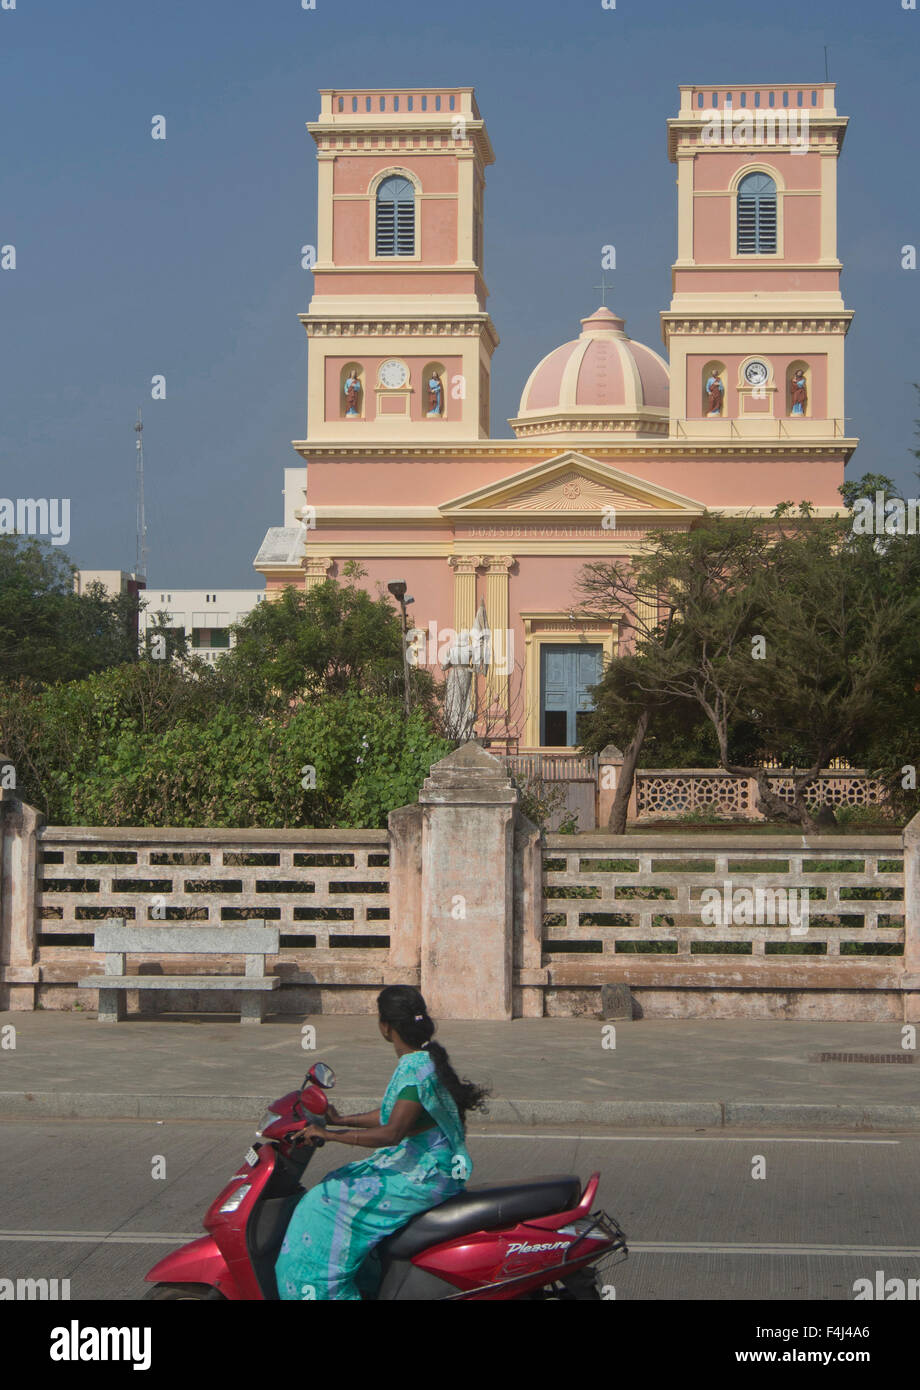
(599, 1221)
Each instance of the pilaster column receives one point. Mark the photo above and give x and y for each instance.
(466, 183)
(647, 611)
(316, 569)
(685, 158)
(497, 612)
(464, 568)
(829, 205)
(325, 165)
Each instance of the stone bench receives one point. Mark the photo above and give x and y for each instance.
(255, 941)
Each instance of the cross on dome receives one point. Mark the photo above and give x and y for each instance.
(603, 287)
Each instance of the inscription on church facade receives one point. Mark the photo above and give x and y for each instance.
(550, 532)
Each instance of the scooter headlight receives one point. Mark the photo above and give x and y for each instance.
(237, 1197)
(267, 1119)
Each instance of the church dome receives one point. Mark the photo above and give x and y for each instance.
(600, 382)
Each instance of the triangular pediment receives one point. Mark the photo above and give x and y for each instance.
(571, 482)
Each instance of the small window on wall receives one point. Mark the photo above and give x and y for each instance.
(798, 389)
(434, 391)
(757, 216)
(713, 390)
(351, 391)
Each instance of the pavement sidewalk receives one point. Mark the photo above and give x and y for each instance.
(661, 1072)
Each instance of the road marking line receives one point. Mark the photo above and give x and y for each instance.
(98, 1237)
(705, 1248)
(654, 1247)
(677, 1138)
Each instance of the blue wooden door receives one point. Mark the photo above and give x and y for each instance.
(566, 675)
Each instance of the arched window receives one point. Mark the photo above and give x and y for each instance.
(756, 215)
(395, 225)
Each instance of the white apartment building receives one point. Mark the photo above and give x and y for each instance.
(204, 615)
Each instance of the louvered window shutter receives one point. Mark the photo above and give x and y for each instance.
(405, 228)
(386, 229)
(395, 218)
(757, 216)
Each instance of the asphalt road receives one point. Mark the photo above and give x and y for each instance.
(80, 1201)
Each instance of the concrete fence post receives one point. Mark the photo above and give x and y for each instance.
(528, 1000)
(467, 891)
(609, 770)
(911, 841)
(405, 827)
(19, 977)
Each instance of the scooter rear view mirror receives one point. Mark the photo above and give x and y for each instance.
(322, 1075)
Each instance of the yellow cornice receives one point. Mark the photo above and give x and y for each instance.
(410, 451)
(519, 544)
(340, 324)
(386, 516)
(692, 125)
(688, 321)
(643, 516)
(730, 193)
(449, 519)
(393, 266)
(342, 125)
(648, 518)
(761, 263)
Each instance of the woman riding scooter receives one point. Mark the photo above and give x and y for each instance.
(421, 1159)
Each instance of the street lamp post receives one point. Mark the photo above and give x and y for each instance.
(397, 588)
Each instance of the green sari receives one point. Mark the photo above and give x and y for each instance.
(337, 1223)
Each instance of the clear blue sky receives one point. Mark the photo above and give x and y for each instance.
(182, 257)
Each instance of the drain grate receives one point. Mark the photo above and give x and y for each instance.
(903, 1057)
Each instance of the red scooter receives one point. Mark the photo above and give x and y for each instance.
(509, 1240)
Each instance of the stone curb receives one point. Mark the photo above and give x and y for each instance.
(91, 1105)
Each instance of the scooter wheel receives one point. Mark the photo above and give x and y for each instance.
(183, 1293)
(581, 1286)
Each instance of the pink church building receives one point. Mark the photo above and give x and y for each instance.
(612, 440)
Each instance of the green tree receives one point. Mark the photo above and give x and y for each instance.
(337, 761)
(177, 742)
(47, 631)
(638, 692)
(889, 747)
(793, 636)
(329, 639)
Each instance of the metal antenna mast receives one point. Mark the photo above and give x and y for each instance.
(140, 563)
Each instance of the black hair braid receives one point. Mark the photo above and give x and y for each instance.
(403, 1008)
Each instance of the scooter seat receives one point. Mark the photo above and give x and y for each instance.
(482, 1209)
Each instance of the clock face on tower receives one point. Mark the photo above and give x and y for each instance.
(393, 374)
(756, 373)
